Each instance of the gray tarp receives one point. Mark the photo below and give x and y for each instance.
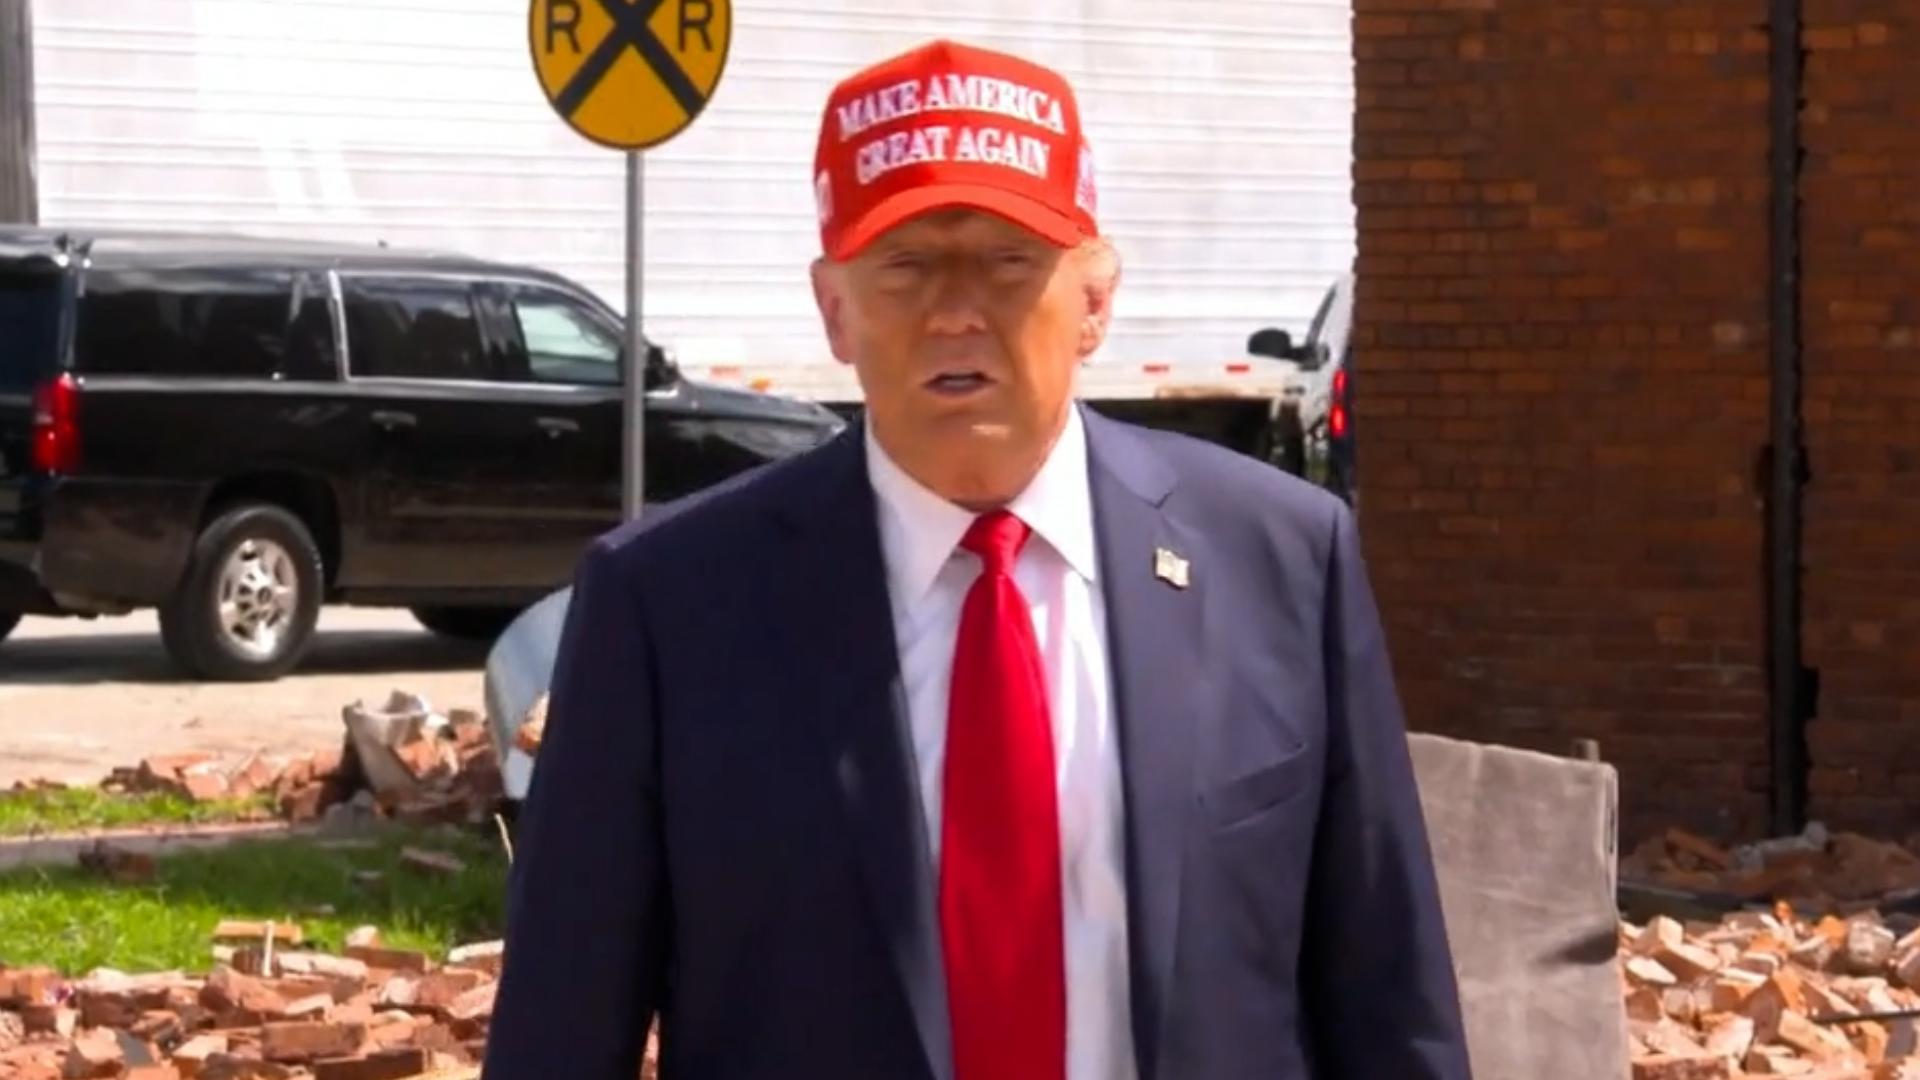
(1525, 847)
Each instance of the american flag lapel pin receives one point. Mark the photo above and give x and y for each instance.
(1170, 567)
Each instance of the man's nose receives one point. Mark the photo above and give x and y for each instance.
(958, 301)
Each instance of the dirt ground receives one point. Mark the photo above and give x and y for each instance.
(80, 697)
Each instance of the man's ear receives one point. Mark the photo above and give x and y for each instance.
(1100, 266)
(829, 296)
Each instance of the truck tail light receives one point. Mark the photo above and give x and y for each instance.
(56, 426)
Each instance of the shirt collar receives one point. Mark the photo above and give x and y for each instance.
(919, 530)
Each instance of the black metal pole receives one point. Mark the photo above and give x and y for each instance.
(1786, 465)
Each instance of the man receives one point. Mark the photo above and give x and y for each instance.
(994, 740)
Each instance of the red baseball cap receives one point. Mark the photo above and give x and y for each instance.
(952, 125)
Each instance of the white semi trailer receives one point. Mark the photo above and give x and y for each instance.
(1221, 132)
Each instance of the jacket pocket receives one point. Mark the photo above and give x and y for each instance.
(1257, 792)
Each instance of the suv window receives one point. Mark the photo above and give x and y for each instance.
(184, 322)
(29, 329)
(310, 345)
(564, 344)
(414, 329)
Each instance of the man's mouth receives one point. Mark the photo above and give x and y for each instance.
(958, 383)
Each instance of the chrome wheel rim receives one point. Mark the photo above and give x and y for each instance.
(259, 593)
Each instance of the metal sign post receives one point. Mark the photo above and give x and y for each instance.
(629, 75)
(633, 482)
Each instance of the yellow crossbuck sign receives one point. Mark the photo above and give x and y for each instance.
(629, 74)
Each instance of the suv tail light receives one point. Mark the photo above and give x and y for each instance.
(56, 426)
(1337, 410)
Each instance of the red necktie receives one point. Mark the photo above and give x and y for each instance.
(1000, 907)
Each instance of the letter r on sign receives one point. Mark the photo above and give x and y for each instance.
(563, 17)
(697, 16)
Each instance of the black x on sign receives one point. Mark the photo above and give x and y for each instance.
(629, 74)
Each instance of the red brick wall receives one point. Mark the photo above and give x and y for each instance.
(1562, 382)
(1862, 315)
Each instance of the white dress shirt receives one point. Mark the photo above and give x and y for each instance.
(928, 576)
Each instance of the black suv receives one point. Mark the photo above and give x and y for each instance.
(238, 430)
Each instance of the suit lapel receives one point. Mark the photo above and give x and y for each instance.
(848, 670)
(1154, 642)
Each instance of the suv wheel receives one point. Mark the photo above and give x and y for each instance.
(467, 623)
(8, 620)
(247, 608)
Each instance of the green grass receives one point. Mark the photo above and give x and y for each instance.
(23, 813)
(69, 919)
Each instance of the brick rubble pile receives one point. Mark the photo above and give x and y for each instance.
(1770, 993)
(1816, 870)
(401, 760)
(271, 1011)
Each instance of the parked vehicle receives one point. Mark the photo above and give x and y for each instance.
(1319, 443)
(236, 431)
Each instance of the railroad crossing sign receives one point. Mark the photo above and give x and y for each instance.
(629, 74)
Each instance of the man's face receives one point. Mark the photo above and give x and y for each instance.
(967, 331)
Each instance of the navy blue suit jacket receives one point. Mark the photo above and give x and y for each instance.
(723, 827)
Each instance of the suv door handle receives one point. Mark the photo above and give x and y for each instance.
(394, 419)
(557, 426)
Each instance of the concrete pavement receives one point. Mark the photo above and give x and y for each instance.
(79, 697)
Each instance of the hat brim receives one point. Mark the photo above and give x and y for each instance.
(1028, 213)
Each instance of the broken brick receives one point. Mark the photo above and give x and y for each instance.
(163, 772)
(396, 960)
(51, 1020)
(1649, 972)
(107, 1009)
(1868, 947)
(32, 1062)
(94, 1053)
(484, 956)
(439, 990)
(283, 933)
(1661, 932)
(311, 963)
(205, 786)
(314, 1006)
(238, 1067)
(251, 776)
(1687, 962)
(299, 1040)
(1682, 1067)
(192, 1054)
(380, 1065)
(441, 1039)
(240, 999)
(1729, 1036)
(303, 803)
(157, 1026)
(28, 986)
(391, 1028)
